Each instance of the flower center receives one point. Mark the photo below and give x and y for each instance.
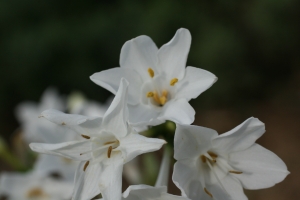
(158, 96)
(210, 159)
(98, 148)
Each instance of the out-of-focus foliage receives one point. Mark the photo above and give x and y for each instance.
(251, 45)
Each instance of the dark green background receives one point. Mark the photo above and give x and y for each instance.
(252, 46)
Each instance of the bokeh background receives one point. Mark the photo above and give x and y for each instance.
(252, 46)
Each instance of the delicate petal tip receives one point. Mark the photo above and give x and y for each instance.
(116, 117)
(173, 55)
(61, 118)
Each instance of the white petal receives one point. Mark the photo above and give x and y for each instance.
(195, 82)
(110, 180)
(110, 80)
(71, 150)
(46, 165)
(134, 144)
(186, 178)
(190, 141)
(79, 123)
(163, 175)
(179, 111)
(173, 55)
(51, 100)
(234, 189)
(115, 118)
(90, 187)
(138, 192)
(241, 137)
(261, 168)
(139, 54)
(78, 181)
(142, 116)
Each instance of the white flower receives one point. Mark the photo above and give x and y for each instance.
(160, 84)
(146, 192)
(35, 129)
(212, 166)
(109, 143)
(30, 186)
(54, 166)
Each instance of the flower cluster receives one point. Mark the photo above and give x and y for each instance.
(153, 86)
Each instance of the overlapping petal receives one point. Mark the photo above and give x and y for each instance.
(79, 123)
(139, 54)
(190, 141)
(110, 80)
(179, 111)
(241, 137)
(71, 150)
(110, 180)
(116, 117)
(135, 144)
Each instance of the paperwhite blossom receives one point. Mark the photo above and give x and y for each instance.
(212, 166)
(109, 143)
(160, 84)
(35, 129)
(31, 186)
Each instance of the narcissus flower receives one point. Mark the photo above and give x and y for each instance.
(160, 85)
(109, 142)
(31, 186)
(212, 166)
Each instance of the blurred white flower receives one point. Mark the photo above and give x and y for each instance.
(212, 166)
(160, 85)
(31, 186)
(35, 129)
(110, 143)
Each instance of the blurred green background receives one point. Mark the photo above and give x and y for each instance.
(252, 46)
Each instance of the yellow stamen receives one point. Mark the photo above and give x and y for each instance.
(86, 165)
(203, 158)
(85, 136)
(213, 155)
(235, 172)
(150, 94)
(173, 81)
(109, 151)
(111, 142)
(207, 192)
(151, 72)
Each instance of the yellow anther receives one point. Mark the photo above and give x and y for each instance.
(162, 100)
(111, 142)
(203, 158)
(207, 192)
(150, 94)
(235, 172)
(86, 165)
(109, 151)
(85, 136)
(173, 81)
(151, 72)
